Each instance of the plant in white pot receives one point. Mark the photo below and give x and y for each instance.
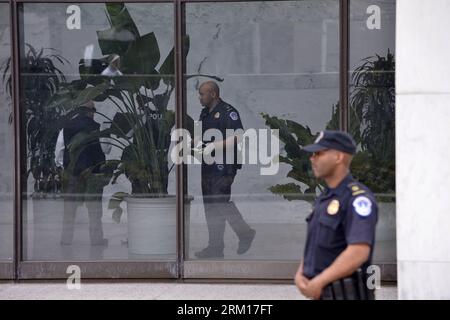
(141, 128)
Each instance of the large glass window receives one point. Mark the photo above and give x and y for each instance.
(372, 111)
(97, 84)
(97, 104)
(276, 65)
(6, 138)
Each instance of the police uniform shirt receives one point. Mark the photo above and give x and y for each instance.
(342, 216)
(92, 154)
(222, 117)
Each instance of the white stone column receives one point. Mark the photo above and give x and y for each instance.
(423, 148)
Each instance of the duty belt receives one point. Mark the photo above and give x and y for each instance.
(353, 287)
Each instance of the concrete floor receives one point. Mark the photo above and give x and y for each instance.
(278, 237)
(160, 291)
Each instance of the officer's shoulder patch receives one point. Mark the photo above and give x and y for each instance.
(363, 206)
(355, 193)
(234, 116)
(356, 189)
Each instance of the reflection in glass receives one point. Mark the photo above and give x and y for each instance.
(276, 64)
(99, 111)
(217, 178)
(6, 138)
(372, 111)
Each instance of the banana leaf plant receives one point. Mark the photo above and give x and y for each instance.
(293, 136)
(142, 125)
(40, 78)
(372, 124)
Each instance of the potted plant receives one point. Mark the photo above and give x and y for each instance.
(41, 77)
(140, 128)
(372, 124)
(294, 136)
(373, 101)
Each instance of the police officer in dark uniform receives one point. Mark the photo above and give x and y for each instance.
(79, 187)
(218, 176)
(341, 228)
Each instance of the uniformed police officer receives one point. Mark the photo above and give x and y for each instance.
(77, 187)
(341, 228)
(217, 177)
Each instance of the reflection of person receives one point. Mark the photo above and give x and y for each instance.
(341, 229)
(218, 178)
(113, 68)
(79, 187)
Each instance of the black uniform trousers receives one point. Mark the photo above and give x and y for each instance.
(78, 191)
(216, 192)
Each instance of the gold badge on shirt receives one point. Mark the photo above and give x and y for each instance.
(217, 115)
(333, 207)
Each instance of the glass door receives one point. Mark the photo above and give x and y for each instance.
(97, 108)
(103, 86)
(270, 68)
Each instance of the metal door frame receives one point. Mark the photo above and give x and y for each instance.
(277, 270)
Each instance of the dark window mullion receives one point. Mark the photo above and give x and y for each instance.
(180, 90)
(343, 63)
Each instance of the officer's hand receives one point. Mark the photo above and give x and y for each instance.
(300, 281)
(312, 290)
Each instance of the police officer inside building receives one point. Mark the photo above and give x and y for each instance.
(341, 228)
(79, 187)
(218, 176)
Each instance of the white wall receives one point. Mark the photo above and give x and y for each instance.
(423, 149)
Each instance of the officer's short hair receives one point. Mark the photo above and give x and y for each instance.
(213, 87)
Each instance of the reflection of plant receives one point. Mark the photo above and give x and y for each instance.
(142, 125)
(372, 124)
(40, 79)
(7, 81)
(294, 135)
(373, 102)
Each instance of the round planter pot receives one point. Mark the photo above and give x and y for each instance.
(152, 228)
